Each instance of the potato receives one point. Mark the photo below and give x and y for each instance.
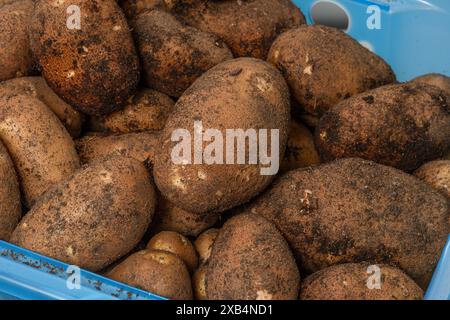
(300, 151)
(324, 66)
(159, 272)
(37, 87)
(94, 217)
(15, 54)
(204, 243)
(402, 126)
(240, 94)
(251, 260)
(169, 217)
(435, 79)
(436, 174)
(248, 27)
(132, 8)
(10, 210)
(360, 281)
(140, 146)
(42, 150)
(94, 66)
(198, 283)
(177, 244)
(174, 55)
(352, 210)
(146, 111)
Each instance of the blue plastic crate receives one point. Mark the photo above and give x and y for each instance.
(413, 36)
(439, 288)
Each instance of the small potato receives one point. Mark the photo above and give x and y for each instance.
(37, 87)
(300, 151)
(204, 243)
(248, 27)
(174, 55)
(92, 219)
(435, 79)
(93, 66)
(251, 260)
(169, 217)
(401, 125)
(10, 209)
(436, 174)
(146, 111)
(159, 272)
(354, 281)
(352, 210)
(15, 54)
(324, 66)
(140, 146)
(42, 150)
(198, 283)
(177, 244)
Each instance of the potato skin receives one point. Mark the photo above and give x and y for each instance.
(173, 55)
(147, 110)
(10, 209)
(94, 69)
(204, 243)
(140, 146)
(37, 87)
(94, 217)
(403, 126)
(436, 174)
(15, 54)
(244, 93)
(435, 79)
(353, 210)
(42, 150)
(159, 272)
(324, 66)
(349, 282)
(132, 8)
(247, 27)
(251, 260)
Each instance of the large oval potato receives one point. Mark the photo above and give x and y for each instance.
(93, 66)
(94, 217)
(248, 27)
(174, 55)
(436, 174)
(37, 87)
(15, 54)
(324, 66)
(42, 150)
(353, 210)
(10, 210)
(360, 281)
(246, 94)
(251, 260)
(402, 126)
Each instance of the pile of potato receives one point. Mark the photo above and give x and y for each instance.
(86, 176)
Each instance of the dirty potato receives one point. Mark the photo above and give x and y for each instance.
(436, 174)
(132, 8)
(204, 243)
(94, 217)
(435, 79)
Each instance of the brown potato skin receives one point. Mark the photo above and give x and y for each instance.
(204, 243)
(436, 174)
(247, 27)
(402, 125)
(300, 150)
(349, 282)
(37, 87)
(147, 110)
(435, 79)
(251, 260)
(353, 210)
(324, 66)
(173, 55)
(140, 146)
(15, 54)
(42, 150)
(132, 8)
(10, 209)
(242, 93)
(159, 272)
(94, 217)
(198, 283)
(95, 69)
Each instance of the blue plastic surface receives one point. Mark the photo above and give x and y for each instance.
(414, 35)
(439, 288)
(28, 275)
